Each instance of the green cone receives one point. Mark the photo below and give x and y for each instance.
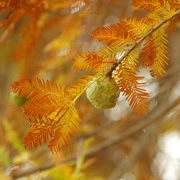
(103, 93)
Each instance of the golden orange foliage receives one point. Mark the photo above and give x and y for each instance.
(51, 111)
(51, 107)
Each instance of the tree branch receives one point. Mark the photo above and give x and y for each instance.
(109, 73)
(153, 116)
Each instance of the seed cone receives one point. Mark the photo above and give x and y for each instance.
(102, 93)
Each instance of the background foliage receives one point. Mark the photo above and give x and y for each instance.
(39, 39)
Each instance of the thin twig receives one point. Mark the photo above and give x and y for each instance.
(109, 73)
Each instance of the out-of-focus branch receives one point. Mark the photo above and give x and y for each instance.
(168, 82)
(151, 117)
(124, 165)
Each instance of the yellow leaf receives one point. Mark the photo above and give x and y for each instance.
(68, 126)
